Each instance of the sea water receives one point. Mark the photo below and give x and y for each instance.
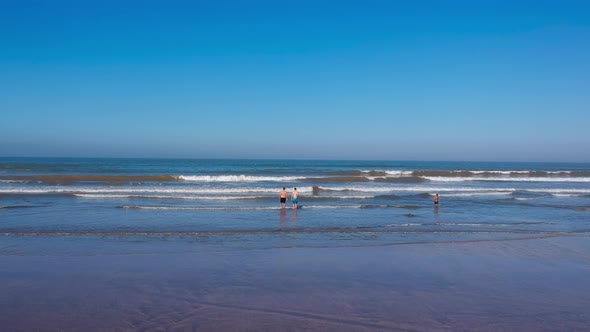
(92, 206)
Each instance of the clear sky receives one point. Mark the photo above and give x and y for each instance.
(398, 80)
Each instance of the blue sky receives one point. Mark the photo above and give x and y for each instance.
(398, 80)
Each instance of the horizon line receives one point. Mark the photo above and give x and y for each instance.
(296, 159)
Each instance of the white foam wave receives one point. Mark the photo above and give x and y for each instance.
(416, 189)
(237, 178)
(156, 190)
(476, 225)
(12, 181)
(490, 193)
(527, 198)
(404, 225)
(505, 179)
(496, 172)
(560, 191)
(451, 189)
(568, 195)
(398, 173)
(109, 196)
(509, 172)
(332, 206)
(518, 172)
(502, 172)
(206, 198)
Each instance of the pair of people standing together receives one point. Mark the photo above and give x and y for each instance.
(294, 197)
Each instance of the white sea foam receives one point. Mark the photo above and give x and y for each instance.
(512, 172)
(398, 173)
(497, 172)
(505, 172)
(389, 173)
(110, 196)
(527, 198)
(476, 225)
(568, 195)
(505, 179)
(156, 190)
(237, 178)
(560, 191)
(404, 225)
(489, 193)
(416, 189)
(332, 206)
(453, 189)
(205, 198)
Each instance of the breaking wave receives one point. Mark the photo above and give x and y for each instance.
(446, 189)
(237, 178)
(128, 190)
(512, 173)
(71, 179)
(507, 179)
(204, 198)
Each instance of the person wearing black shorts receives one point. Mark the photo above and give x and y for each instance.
(283, 197)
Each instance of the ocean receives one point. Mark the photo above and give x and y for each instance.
(69, 206)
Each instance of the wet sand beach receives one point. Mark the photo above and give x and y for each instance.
(519, 285)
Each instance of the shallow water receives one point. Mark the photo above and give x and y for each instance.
(232, 204)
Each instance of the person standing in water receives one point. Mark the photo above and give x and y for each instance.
(295, 198)
(283, 198)
(436, 200)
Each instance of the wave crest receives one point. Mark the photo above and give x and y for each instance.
(237, 178)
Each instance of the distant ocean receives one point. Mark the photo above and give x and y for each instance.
(228, 204)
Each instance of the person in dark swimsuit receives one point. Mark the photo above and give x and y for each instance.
(436, 199)
(283, 197)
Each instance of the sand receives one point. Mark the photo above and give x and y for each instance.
(525, 285)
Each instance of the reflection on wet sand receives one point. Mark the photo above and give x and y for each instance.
(283, 215)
